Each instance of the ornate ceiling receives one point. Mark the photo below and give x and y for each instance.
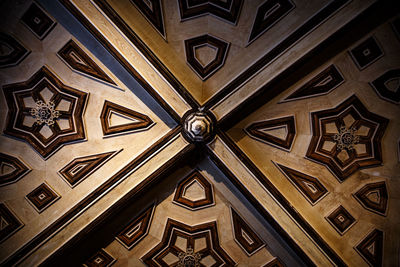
(199, 133)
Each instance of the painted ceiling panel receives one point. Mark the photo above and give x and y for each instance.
(199, 133)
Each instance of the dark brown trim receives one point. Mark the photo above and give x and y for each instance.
(372, 17)
(304, 29)
(41, 237)
(250, 197)
(106, 44)
(283, 202)
(20, 169)
(18, 53)
(144, 49)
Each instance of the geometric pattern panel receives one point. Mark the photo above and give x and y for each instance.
(152, 11)
(373, 197)
(42, 197)
(78, 60)
(247, 239)
(396, 27)
(193, 45)
(341, 219)
(11, 169)
(371, 248)
(228, 10)
(346, 138)
(188, 246)
(366, 53)
(387, 86)
(264, 131)
(194, 192)
(136, 120)
(9, 223)
(38, 21)
(310, 187)
(268, 14)
(80, 168)
(100, 259)
(44, 112)
(274, 263)
(136, 230)
(11, 51)
(322, 84)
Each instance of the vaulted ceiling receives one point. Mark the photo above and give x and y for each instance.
(199, 133)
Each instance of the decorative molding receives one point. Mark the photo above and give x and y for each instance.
(140, 121)
(78, 60)
(198, 126)
(274, 263)
(323, 83)
(137, 229)
(219, 45)
(383, 86)
(303, 30)
(80, 168)
(12, 52)
(341, 220)
(11, 169)
(244, 235)
(268, 14)
(366, 53)
(87, 201)
(9, 222)
(100, 259)
(152, 10)
(42, 197)
(310, 187)
(258, 130)
(182, 195)
(38, 21)
(22, 98)
(371, 248)
(373, 197)
(174, 229)
(367, 127)
(228, 10)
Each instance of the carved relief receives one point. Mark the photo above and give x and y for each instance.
(371, 248)
(226, 10)
(373, 197)
(277, 132)
(42, 197)
(178, 240)
(78, 60)
(38, 21)
(152, 10)
(137, 229)
(101, 258)
(310, 187)
(194, 192)
(341, 219)
(396, 27)
(387, 86)
(206, 69)
(268, 14)
(136, 120)
(11, 169)
(9, 223)
(322, 84)
(80, 168)
(44, 112)
(247, 239)
(347, 138)
(11, 51)
(366, 53)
